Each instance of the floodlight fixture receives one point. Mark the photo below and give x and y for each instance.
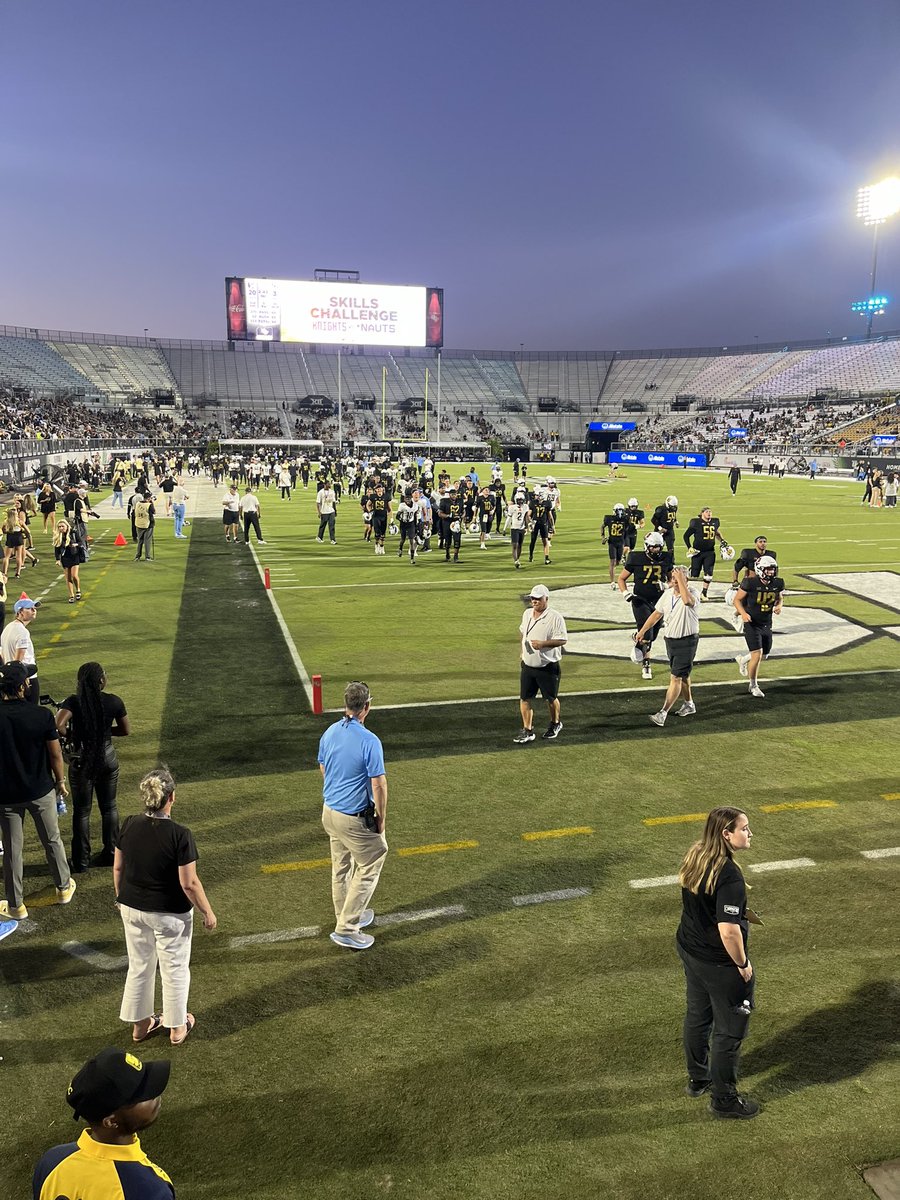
(872, 306)
(876, 202)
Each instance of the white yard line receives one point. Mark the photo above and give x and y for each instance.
(547, 897)
(95, 958)
(661, 686)
(653, 882)
(890, 852)
(786, 864)
(277, 935)
(285, 633)
(425, 914)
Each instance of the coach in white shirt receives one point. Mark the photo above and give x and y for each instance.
(677, 609)
(543, 634)
(326, 506)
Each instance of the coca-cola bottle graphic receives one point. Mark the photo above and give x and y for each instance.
(434, 335)
(237, 311)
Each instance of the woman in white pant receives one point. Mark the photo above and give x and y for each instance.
(157, 888)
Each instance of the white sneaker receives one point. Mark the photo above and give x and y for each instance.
(319, 540)
(368, 916)
(757, 691)
(742, 660)
(482, 546)
(646, 673)
(353, 941)
(659, 718)
(688, 709)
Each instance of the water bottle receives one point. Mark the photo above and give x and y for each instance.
(61, 805)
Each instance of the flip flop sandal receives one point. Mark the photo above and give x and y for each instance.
(154, 1027)
(190, 1021)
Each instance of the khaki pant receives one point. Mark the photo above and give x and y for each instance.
(357, 856)
(12, 836)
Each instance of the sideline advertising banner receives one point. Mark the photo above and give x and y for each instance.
(611, 426)
(649, 458)
(315, 311)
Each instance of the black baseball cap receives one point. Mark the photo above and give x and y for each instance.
(114, 1079)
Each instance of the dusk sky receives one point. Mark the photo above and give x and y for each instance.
(574, 175)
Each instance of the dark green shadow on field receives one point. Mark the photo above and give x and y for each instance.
(486, 728)
(234, 706)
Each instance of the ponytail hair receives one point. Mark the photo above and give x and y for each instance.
(706, 858)
(157, 788)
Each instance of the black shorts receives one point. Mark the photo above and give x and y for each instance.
(758, 637)
(543, 679)
(681, 653)
(703, 562)
(616, 549)
(230, 518)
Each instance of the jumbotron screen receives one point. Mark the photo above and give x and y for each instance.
(355, 314)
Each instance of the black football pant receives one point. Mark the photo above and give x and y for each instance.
(407, 532)
(454, 539)
(716, 999)
(538, 530)
(251, 520)
(642, 610)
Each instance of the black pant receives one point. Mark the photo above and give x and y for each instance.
(714, 998)
(326, 521)
(285, 493)
(251, 521)
(538, 530)
(407, 530)
(105, 784)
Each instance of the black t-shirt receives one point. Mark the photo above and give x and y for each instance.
(648, 574)
(698, 933)
(748, 558)
(154, 848)
(761, 598)
(702, 533)
(25, 730)
(113, 710)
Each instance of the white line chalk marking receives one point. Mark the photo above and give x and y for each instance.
(426, 914)
(546, 897)
(286, 634)
(786, 864)
(94, 957)
(276, 935)
(890, 852)
(658, 881)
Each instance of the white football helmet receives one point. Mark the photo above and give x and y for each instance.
(637, 654)
(671, 501)
(727, 552)
(618, 509)
(393, 529)
(766, 568)
(654, 544)
(633, 502)
(455, 526)
(474, 527)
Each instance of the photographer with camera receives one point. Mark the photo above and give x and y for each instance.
(90, 719)
(351, 760)
(32, 776)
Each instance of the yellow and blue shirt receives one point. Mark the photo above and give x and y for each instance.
(89, 1170)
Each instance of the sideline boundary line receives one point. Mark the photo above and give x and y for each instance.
(626, 690)
(302, 674)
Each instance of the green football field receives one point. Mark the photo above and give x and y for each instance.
(515, 1030)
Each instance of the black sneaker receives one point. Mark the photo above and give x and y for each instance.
(523, 736)
(697, 1087)
(738, 1108)
(552, 731)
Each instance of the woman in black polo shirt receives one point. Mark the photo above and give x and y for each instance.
(156, 882)
(712, 945)
(93, 717)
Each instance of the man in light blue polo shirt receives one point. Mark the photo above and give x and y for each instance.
(354, 789)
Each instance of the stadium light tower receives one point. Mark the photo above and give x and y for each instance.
(876, 203)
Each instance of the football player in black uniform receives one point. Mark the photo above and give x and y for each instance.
(759, 597)
(704, 532)
(541, 508)
(612, 533)
(664, 521)
(635, 515)
(381, 511)
(486, 502)
(455, 517)
(407, 519)
(650, 568)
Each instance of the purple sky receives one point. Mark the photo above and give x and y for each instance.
(575, 176)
